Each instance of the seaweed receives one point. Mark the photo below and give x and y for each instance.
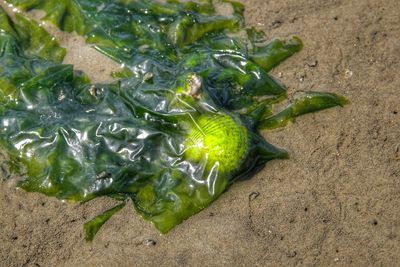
(177, 128)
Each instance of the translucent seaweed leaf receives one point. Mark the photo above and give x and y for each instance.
(24, 38)
(33, 39)
(304, 102)
(94, 225)
(275, 52)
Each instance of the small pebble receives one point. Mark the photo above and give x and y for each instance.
(312, 63)
(347, 74)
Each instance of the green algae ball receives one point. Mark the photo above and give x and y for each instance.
(220, 140)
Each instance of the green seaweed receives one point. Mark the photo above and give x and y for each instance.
(94, 225)
(304, 102)
(172, 134)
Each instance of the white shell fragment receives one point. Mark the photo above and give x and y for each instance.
(195, 83)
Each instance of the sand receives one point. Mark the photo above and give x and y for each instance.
(334, 202)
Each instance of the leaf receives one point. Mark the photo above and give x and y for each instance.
(94, 225)
(24, 37)
(304, 102)
(275, 52)
(33, 39)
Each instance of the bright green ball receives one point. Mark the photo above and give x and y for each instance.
(220, 140)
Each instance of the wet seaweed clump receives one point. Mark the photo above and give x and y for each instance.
(179, 125)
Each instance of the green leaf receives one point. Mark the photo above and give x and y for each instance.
(24, 37)
(94, 225)
(304, 102)
(33, 39)
(275, 52)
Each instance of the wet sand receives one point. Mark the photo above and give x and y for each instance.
(334, 202)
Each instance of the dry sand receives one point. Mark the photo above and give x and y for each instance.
(335, 202)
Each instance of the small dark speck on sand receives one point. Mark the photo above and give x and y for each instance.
(254, 195)
(276, 24)
(151, 243)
